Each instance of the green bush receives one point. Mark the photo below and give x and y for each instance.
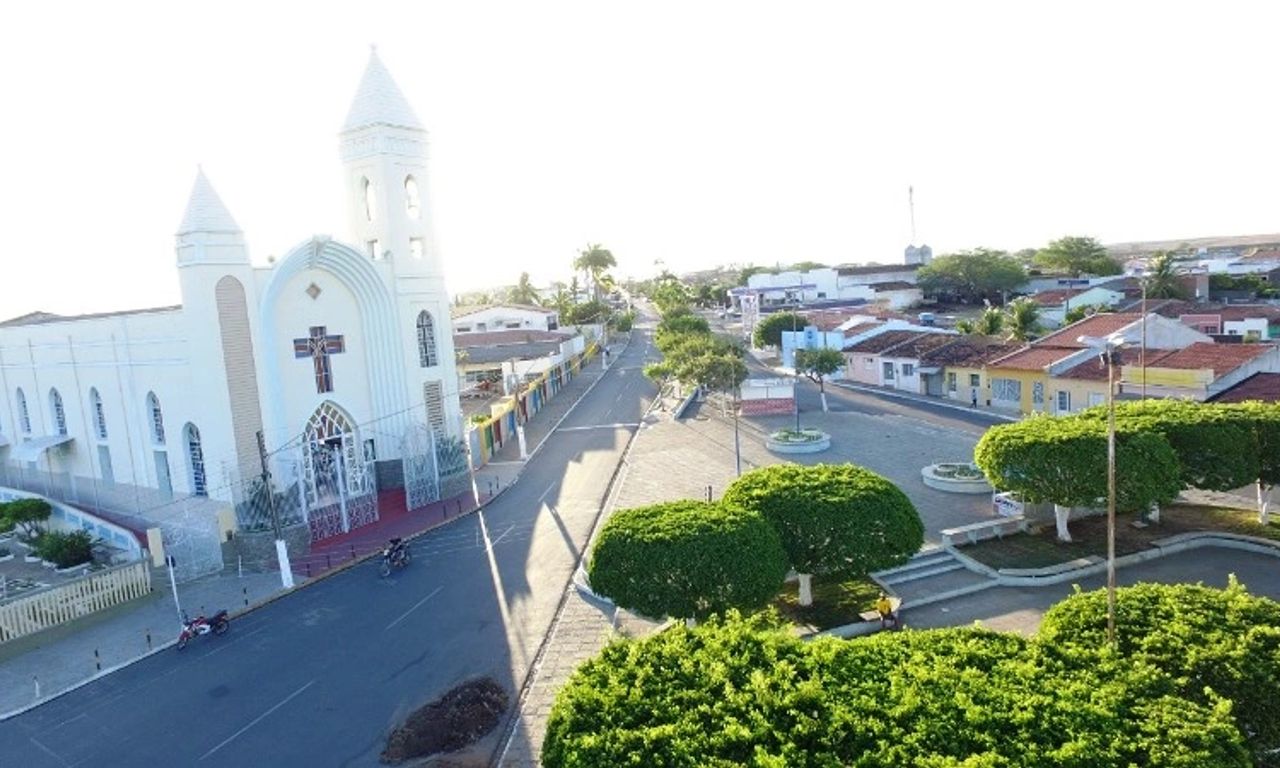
(687, 559)
(1212, 642)
(65, 549)
(748, 693)
(622, 321)
(836, 520)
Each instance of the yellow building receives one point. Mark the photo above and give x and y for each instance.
(962, 367)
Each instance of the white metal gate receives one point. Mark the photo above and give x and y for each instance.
(421, 470)
(338, 481)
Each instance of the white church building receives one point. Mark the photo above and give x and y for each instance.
(338, 356)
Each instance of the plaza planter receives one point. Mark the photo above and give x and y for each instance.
(955, 477)
(801, 441)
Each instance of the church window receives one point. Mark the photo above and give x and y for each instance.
(59, 415)
(412, 202)
(427, 356)
(99, 415)
(195, 455)
(374, 248)
(24, 416)
(433, 398)
(157, 418)
(370, 203)
(415, 247)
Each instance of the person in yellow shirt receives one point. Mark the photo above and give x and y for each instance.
(884, 607)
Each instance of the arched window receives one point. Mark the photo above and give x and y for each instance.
(195, 460)
(56, 411)
(370, 202)
(157, 418)
(426, 340)
(24, 416)
(412, 202)
(99, 415)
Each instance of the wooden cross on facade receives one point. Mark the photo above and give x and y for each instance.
(318, 346)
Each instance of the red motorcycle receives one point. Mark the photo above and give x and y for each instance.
(218, 624)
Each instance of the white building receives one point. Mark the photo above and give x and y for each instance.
(892, 285)
(506, 317)
(333, 354)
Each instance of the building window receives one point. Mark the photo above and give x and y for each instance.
(374, 247)
(195, 456)
(1037, 393)
(908, 370)
(24, 416)
(822, 294)
(462, 329)
(515, 324)
(975, 379)
(1096, 398)
(59, 415)
(99, 415)
(157, 418)
(415, 248)
(370, 202)
(1064, 401)
(433, 399)
(412, 201)
(427, 356)
(1006, 390)
(951, 382)
(888, 371)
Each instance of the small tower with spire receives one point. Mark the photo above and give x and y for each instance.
(208, 234)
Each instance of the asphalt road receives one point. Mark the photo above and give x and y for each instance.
(321, 676)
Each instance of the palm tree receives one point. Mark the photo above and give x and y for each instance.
(1161, 277)
(990, 322)
(524, 292)
(1023, 319)
(594, 260)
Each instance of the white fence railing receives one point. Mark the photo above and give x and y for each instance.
(65, 602)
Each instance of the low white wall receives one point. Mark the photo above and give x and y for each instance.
(69, 519)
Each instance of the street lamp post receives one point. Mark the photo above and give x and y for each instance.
(1109, 351)
(795, 362)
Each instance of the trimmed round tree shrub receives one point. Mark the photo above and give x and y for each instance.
(748, 693)
(1063, 461)
(1224, 641)
(1263, 420)
(687, 559)
(838, 520)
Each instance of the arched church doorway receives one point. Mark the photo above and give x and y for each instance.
(338, 482)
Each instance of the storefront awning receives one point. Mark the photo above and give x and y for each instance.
(30, 450)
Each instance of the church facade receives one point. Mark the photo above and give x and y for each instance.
(326, 359)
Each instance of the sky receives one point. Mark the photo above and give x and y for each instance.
(681, 135)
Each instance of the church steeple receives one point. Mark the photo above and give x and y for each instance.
(208, 233)
(379, 101)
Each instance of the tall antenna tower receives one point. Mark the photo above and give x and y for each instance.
(911, 205)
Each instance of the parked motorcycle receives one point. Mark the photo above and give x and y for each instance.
(395, 555)
(218, 624)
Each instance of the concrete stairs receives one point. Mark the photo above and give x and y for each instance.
(931, 575)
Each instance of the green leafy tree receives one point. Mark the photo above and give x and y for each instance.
(747, 692)
(990, 322)
(594, 260)
(1063, 461)
(1078, 256)
(1022, 319)
(1263, 420)
(768, 331)
(971, 276)
(966, 327)
(747, 272)
(673, 326)
(1079, 312)
(1211, 642)
(817, 365)
(670, 296)
(1161, 277)
(837, 520)
(587, 313)
(28, 514)
(524, 292)
(806, 266)
(687, 559)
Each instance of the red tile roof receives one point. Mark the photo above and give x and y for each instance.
(883, 342)
(1250, 312)
(1091, 369)
(1220, 358)
(1033, 358)
(1097, 326)
(923, 343)
(1259, 386)
(512, 336)
(1055, 297)
(969, 351)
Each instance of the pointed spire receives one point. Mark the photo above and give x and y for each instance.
(205, 211)
(379, 100)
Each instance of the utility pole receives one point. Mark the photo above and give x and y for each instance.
(282, 551)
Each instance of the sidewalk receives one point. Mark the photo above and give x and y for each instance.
(64, 657)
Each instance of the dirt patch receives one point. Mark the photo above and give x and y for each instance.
(461, 717)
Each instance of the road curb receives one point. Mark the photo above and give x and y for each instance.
(939, 402)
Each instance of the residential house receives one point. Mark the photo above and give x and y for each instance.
(958, 370)
(904, 361)
(837, 284)
(1264, 387)
(1198, 371)
(1054, 305)
(862, 358)
(505, 317)
(499, 360)
(1024, 381)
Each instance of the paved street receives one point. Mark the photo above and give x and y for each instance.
(319, 677)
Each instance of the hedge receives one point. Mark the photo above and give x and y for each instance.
(687, 559)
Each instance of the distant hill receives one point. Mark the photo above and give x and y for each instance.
(1124, 250)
